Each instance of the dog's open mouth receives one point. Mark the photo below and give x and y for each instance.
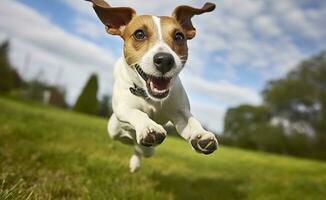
(158, 87)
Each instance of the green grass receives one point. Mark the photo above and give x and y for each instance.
(46, 153)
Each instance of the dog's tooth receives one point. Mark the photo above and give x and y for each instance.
(151, 85)
(159, 91)
(154, 89)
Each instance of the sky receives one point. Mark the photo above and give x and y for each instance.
(238, 48)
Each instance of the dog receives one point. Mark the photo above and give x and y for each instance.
(147, 91)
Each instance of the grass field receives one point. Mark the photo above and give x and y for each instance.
(46, 153)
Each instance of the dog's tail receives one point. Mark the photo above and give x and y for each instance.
(139, 152)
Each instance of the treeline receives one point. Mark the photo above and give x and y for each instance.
(13, 85)
(292, 117)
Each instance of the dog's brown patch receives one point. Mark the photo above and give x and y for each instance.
(183, 15)
(170, 27)
(133, 49)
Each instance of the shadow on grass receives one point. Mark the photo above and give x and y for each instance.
(180, 187)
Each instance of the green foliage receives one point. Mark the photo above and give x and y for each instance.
(249, 127)
(299, 144)
(299, 98)
(239, 119)
(105, 109)
(46, 153)
(301, 94)
(87, 100)
(9, 77)
(6, 76)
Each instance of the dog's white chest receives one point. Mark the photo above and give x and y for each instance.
(155, 111)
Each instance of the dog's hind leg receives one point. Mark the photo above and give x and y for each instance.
(134, 163)
(139, 152)
(117, 133)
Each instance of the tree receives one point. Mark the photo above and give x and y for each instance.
(300, 95)
(6, 76)
(87, 100)
(249, 127)
(105, 109)
(9, 77)
(300, 98)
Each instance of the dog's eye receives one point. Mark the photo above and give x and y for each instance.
(139, 35)
(178, 37)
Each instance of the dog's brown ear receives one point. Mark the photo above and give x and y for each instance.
(183, 15)
(115, 19)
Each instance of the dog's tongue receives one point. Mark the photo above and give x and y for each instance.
(160, 83)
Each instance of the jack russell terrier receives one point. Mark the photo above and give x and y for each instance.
(147, 92)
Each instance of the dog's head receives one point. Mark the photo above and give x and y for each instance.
(154, 47)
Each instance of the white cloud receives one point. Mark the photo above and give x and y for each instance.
(211, 116)
(88, 28)
(266, 26)
(83, 7)
(301, 21)
(30, 26)
(220, 91)
(260, 35)
(51, 48)
(141, 7)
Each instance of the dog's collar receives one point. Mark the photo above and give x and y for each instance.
(138, 91)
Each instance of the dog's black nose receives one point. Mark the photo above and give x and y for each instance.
(163, 62)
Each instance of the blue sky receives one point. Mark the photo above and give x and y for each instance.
(237, 49)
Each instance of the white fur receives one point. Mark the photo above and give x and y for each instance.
(157, 22)
(134, 117)
(134, 163)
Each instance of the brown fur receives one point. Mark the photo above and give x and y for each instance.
(170, 26)
(133, 49)
(183, 15)
(114, 19)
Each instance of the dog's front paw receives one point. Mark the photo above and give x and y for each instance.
(205, 143)
(151, 135)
